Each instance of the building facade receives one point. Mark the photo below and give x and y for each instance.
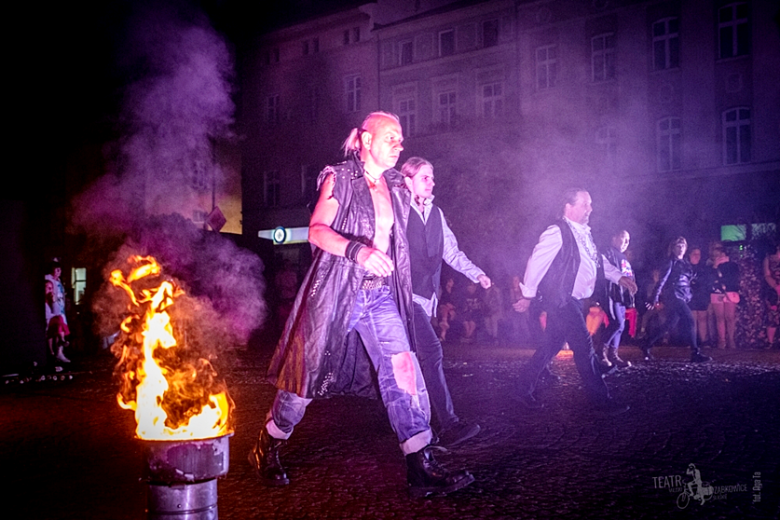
(668, 112)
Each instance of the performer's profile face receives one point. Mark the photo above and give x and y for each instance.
(384, 138)
(579, 212)
(421, 185)
(621, 240)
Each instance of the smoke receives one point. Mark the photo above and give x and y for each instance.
(176, 106)
(224, 282)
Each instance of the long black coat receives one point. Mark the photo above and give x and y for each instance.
(313, 357)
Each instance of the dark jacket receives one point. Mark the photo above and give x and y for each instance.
(617, 293)
(313, 357)
(675, 281)
(725, 278)
(701, 286)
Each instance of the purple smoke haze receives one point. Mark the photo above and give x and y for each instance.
(174, 109)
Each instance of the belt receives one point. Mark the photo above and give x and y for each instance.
(369, 283)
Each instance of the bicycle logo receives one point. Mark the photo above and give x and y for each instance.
(694, 489)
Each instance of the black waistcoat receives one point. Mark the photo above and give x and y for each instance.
(557, 285)
(426, 247)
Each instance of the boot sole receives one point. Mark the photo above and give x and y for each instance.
(422, 492)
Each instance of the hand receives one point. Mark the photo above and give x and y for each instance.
(521, 305)
(629, 284)
(484, 281)
(375, 261)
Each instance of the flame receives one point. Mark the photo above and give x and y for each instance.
(174, 393)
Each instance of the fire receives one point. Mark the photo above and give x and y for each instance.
(175, 393)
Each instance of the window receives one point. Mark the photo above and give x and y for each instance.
(352, 86)
(736, 136)
(606, 142)
(272, 109)
(602, 50)
(490, 33)
(352, 35)
(200, 178)
(447, 43)
(666, 44)
(406, 53)
(733, 30)
(669, 141)
(546, 66)
(271, 188)
(447, 106)
(492, 99)
(407, 115)
(78, 277)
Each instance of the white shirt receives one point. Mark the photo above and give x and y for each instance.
(550, 242)
(454, 257)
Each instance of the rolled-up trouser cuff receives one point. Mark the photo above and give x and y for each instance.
(275, 432)
(416, 442)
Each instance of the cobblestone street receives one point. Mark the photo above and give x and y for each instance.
(69, 452)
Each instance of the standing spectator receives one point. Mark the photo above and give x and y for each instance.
(56, 326)
(674, 291)
(724, 296)
(618, 300)
(56, 318)
(772, 294)
(700, 295)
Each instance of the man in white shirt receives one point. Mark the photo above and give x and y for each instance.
(562, 271)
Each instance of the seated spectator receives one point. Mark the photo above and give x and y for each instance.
(493, 305)
(446, 312)
(471, 312)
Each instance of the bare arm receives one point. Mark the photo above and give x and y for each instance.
(323, 236)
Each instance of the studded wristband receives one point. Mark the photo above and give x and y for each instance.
(353, 248)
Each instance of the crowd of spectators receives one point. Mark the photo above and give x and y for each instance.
(734, 304)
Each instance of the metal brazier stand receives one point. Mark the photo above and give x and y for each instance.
(182, 477)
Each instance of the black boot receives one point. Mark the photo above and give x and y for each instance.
(264, 457)
(425, 476)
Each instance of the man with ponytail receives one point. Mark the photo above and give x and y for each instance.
(354, 311)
